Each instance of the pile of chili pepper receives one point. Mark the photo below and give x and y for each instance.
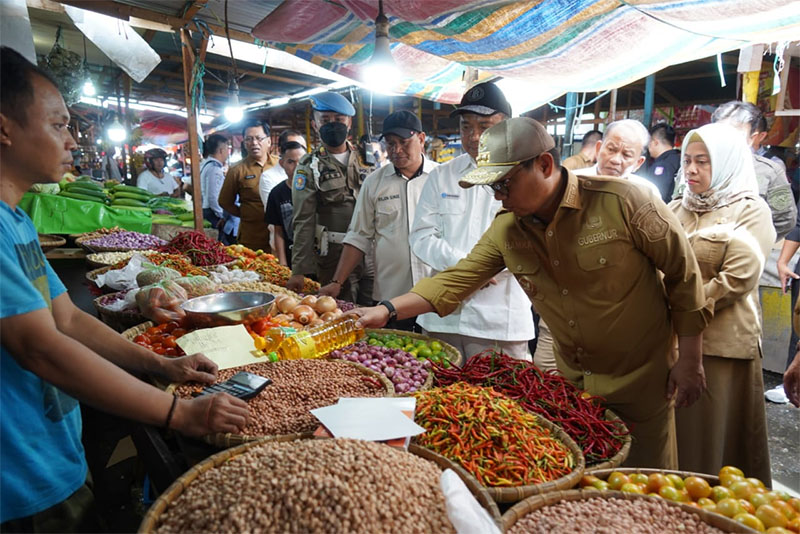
(179, 262)
(490, 435)
(201, 249)
(267, 266)
(549, 394)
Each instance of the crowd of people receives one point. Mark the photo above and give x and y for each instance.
(637, 261)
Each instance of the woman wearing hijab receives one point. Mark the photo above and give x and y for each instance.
(730, 228)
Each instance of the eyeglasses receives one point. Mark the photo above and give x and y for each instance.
(500, 188)
(259, 140)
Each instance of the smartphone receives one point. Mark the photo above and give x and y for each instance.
(242, 385)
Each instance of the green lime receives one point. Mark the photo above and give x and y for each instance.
(425, 352)
(407, 340)
(436, 346)
(420, 343)
(442, 355)
(373, 341)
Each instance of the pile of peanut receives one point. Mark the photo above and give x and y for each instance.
(112, 258)
(265, 287)
(297, 387)
(314, 486)
(610, 516)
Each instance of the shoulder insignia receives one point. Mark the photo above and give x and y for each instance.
(305, 159)
(299, 180)
(648, 221)
(780, 199)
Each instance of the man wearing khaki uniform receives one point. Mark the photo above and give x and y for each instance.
(588, 252)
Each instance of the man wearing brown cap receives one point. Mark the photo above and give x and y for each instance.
(384, 211)
(588, 252)
(448, 223)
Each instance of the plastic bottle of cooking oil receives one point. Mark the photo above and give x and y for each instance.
(315, 342)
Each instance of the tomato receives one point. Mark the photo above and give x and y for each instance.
(170, 326)
(747, 506)
(616, 479)
(677, 481)
(630, 487)
(742, 489)
(697, 487)
(757, 499)
(785, 508)
(602, 485)
(749, 520)
(588, 480)
(178, 332)
(639, 478)
(720, 492)
(771, 516)
(794, 525)
(169, 342)
(731, 469)
(656, 481)
(756, 482)
(140, 337)
(795, 502)
(729, 507)
(158, 349)
(170, 351)
(778, 530)
(705, 501)
(670, 493)
(729, 479)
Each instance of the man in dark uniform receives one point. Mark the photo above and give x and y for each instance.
(324, 191)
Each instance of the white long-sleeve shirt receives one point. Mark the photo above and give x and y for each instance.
(383, 215)
(269, 179)
(449, 221)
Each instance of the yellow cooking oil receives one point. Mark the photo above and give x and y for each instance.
(315, 342)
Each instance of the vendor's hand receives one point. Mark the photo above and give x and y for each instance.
(295, 283)
(491, 282)
(374, 317)
(331, 290)
(785, 274)
(791, 381)
(208, 414)
(687, 381)
(194, 368)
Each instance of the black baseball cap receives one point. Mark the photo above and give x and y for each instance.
(483, 99)
(401, 123)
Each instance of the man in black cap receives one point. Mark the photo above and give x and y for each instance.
(450, 220)
(384, 212)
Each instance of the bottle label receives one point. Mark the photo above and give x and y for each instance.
(306, 346)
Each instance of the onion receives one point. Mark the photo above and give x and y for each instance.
(283, 318)
(304, 314)
(315, 322)
(287, 303)
(309, 300)
(324, 304)
(327, 316)
(296, 325)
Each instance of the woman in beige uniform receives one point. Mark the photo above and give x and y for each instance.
(731, 233)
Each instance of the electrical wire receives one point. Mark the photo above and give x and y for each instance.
(662, 21)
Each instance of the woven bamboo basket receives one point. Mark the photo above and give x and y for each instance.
(622, 454)
(151, 519)
(118, 320)
(603, 474)
(517, 493)
(49, 241)
(82, 242)
(453, 355)
(91, 276)
(519, 510)
(134, 331)
(94, 262)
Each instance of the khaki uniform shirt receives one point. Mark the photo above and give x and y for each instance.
(243, 180)
(731, 245)
(323, 193)
(592, 274)
(773, 186)
(577, 161)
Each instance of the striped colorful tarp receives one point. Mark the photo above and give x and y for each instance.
(555, 45)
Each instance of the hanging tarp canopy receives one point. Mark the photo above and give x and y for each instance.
(556, 46)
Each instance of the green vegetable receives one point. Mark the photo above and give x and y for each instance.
(189, 216)
(133, 189)
(52, 189)
(128, 202)
(89, 191)
(79, 196)
(83, 185)
(128, 194)
(132, 208)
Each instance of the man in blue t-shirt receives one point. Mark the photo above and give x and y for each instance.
(52, 354)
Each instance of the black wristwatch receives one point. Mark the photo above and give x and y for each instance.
(389, 306)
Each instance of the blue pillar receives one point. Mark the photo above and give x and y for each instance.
(649, 98)
(572, 103)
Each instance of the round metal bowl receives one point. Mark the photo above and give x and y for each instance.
(220, 309)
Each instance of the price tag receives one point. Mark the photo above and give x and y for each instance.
(227, 346)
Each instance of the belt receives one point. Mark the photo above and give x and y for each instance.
(336, 237)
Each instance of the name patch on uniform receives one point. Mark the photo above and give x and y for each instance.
(597, 237)
(249, 176)
(390, 197)
(450, 195)
(299, 181)
(659, 171)
(648, 221)
(518, 244)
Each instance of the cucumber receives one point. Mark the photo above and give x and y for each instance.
(133, 189)
(132, 208)
(167, 220)
(88, 191)
(185, 216)
(79, 196)
(128, 194)
(83, 185)
(128, 202)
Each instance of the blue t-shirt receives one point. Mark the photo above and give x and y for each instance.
(41, 455)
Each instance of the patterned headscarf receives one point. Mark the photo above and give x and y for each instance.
(733, 175)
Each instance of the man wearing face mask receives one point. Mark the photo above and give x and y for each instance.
(621, 152)
(324, 190)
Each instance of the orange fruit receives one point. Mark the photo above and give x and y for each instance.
(771, 516)
(617, 479)
(750, 520)
(697, 487)
(588, 480)
(656, 481)
(729, 507)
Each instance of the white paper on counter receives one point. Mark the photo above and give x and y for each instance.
(366, 419)
(227, 346)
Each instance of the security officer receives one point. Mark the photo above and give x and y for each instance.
(243, 180)
(588, 252)
(324, 191)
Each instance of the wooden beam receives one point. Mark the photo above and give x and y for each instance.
(253, 73)
(191, 123)
(253, 94)
(192, 9)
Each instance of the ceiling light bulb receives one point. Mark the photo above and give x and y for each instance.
(116, 132)
(380, 74)
(233, 111)
(88, 88)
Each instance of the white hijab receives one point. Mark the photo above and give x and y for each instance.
(733, 175)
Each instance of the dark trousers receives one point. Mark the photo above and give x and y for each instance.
(795, 291)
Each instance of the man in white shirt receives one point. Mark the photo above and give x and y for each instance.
(621, 152)
(449, 221)
(154, 179)
(285, 167)
(212, 176)
(384, 212)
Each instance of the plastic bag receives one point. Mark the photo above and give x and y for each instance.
(161, 302)
(153, 274)
(125, 278)
(196, 286)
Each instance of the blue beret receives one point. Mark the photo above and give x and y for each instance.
(335, 102)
